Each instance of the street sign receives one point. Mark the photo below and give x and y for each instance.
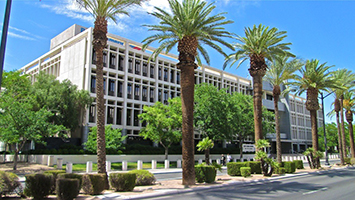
(248, 148)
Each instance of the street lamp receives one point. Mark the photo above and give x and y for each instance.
(324, 133)
(4, 36)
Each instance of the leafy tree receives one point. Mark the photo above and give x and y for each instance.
(281, 70)
(19, 122)
(259, 43)
(332, 137)
(190, 25)
(205, 145)
(103, 10)
(114, 140)
(63, 99)
(313, 78)
(163, 123)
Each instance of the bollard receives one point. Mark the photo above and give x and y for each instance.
(178, 163)
(108, 166)
(166, 164)
(59, 163)
(88, 166)
(218, 161)
(50, 162)
(154, 164)
(210, 161)
(234, 160)
(199, 161)
(69, 167)
(124, 165)
(139, 164)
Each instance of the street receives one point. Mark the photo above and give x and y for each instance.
(334, 184)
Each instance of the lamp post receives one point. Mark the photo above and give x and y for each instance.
(325, 135)
(3, 37)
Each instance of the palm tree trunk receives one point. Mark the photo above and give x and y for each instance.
(314, 123)
(276, 92)
(340, 149)
(99, 43)
(257, 99)
(241, 147)
(187, 100)
(349, 118)
(342, 127)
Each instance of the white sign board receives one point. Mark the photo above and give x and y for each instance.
(248, 148)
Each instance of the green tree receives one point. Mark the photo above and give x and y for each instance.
(349, 105)
(102, 10)
(259, 43)
(267, 164)
(313, 78)
(205, 145)
(163, 123)
(19, 122)
(63, 99)
(281, 70)
(332, 137)
(190, 25)
(114, 140)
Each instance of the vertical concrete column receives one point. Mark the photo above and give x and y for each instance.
(218, 161)
(88, 166)
(154, 164)
(59, 163)
(124, 165)
(108, 166)
(139, 164)
(166, 164)
(69, 167)
(210, 161)
(50, 162)
(178, 163)
(234, 160)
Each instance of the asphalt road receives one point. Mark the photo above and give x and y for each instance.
(178, 175)
(326, 185)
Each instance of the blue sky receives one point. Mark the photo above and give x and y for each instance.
(317, 29)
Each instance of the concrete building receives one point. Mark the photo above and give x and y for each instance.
(131, 82)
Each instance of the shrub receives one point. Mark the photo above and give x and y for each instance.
(144, 177)
(67, 189)
(255, 166)
(72, 176)
(352, 161)
(38, 186)
(94, 183)
(347, 160)
(245, 171)
(55, 177)
(233, 168)
(298, 164)
(205, 173)
(280, 170)
(8, 183)
(289, 166)
(122, 181)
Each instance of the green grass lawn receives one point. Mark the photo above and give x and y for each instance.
(118, 166)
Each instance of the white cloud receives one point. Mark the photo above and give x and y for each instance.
(22, 34)
(12, 34)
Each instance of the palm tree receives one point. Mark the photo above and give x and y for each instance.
(189, 25)
(345, 78)
(313, 79)
(280, 71)
(259, 43)
(102, 10)
(349, 104)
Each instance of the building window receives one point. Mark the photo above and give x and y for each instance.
(92, 114)
(93, 84)
(166, 96)
(178, 77)
(159, 95)
(120, 62)
(159, 73)
(129, 117)
(119, 116)
(136, 119)
(104, 59)
(172, 95)
(111, 87)
(112, 61)
(130, 65)
(165, 74)
(137, 68)
(104, 86)
(129, 90)
(110, 114)
(269, 97)
(151, 71)
(136, 92)
(151, 94)
(172, 76)
(119, 89)
(144, 93)
(93, 57)
(145, 69)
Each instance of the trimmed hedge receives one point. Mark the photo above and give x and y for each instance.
(38, 186)
(143, 177)
(347, 160)
(289, 166)
(298, 164)
(245, 171)
(280, 170)
(9, 182)
(94, 184)
(233, 168)
(205, 173)
(255, 166)
(67, 189)
(352, 161)
(55, 174)
(79, 177)
(122, 181)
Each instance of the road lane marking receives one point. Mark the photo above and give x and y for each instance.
(314, 191)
